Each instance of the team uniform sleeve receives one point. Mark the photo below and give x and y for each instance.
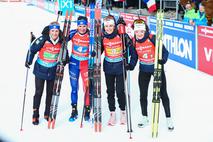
(71, 34)
(35, 47)
(165, 55)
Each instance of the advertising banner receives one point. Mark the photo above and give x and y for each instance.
(205, 49)
(79, 10)
(129, 18)
(179, 39)
(65, 5)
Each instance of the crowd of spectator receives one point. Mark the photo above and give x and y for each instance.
(194, 10)
(193, 16)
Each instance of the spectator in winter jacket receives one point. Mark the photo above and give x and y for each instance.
(190, 16)
(78, 64)
(144, 44)
(113, 66)
(201, 16)
(48, 47)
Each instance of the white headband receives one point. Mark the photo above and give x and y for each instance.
(139, 26)
(109, 22)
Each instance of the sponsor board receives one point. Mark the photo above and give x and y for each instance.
(65, 5)
(179, 39)
(205, 49)
(129, 19)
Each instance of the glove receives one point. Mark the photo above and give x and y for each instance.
(125, 55)
(66, 61)
(93, 54)
(161, 61)
(121, 21)
(27, 61)
(129, 67)
(33, 37)
(27, 65)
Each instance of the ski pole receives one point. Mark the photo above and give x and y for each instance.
(126, 83)
(25, 86)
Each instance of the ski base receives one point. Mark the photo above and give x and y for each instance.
(51, 123)
(155, 118)
(98, 127)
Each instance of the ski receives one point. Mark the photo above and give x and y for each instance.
(157, 74)
(59, 73)
(126, 81)
(89, 87)
(97, 69)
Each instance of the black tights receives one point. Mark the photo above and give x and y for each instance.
(115, 82)
(39, 87)
(144, 79)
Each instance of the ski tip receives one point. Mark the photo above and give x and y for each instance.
(81, 126)
(67, 13)
(21, 129)
(49, 123)
(70, 18)
(53, 124)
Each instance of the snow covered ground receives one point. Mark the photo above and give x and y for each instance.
(189, 90)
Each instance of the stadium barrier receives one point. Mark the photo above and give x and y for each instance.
(188, 45)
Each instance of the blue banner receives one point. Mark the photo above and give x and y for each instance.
(79, 10)
(179, 39)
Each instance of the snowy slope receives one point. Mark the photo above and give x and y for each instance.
(189, 90)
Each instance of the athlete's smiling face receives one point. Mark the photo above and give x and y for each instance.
(82, 29)
(54, 33)
(109, 28)
(139, 34)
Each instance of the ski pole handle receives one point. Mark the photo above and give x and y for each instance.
(59, 13)
(32, 40)
(121, 29)
(121, 25)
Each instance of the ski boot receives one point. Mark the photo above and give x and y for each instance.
(170, 125)
(46, 117)
(87, 113)
(47, 112)
(144, 122)
(112, 119)
(74, 114)
(123, 117)
(35, 120)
